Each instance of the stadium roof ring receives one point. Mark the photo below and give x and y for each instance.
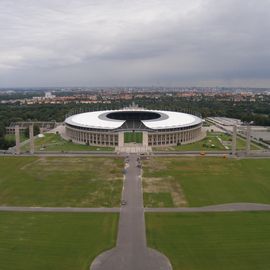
(158, 128)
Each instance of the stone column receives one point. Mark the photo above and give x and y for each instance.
(234, 140)
(248, 139)
(17, 139)
(121, 139)
(145, 138)
(31, 138)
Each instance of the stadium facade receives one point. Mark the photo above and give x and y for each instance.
(157, 128)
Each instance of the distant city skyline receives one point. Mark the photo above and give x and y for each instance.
(127, 43)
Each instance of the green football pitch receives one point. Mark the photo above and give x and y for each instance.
(135, 137)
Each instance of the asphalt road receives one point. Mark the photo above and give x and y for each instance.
(240, 154)
(63, 154)
(131, 252)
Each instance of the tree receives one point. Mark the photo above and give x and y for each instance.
(36, 131)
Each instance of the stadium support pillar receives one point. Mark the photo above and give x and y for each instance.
(121, 139)
(17, 139)
(145, 138)
(248, 139)
(234, 140)
(31, 137)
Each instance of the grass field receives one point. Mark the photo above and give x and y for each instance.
(54, 241)
(54, 142)
(11, 137)
(214, 141)
(133, 137)
(61, 181)
(211, 241)
(203, 181)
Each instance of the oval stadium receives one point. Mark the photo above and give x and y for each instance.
(149, 128)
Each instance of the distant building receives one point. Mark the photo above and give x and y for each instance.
(49, 95)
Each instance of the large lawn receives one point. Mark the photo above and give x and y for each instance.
(211, 241)
(60, 181)
(214, 141)
(54, 142)
(54, 241)
(203, 181)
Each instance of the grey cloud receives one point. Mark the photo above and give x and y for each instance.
(109, 42)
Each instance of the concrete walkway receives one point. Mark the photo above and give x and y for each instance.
(58, 209)
(229, 207)
(131, 252)
(133, 148)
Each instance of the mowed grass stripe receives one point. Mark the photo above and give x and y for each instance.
(54, 241)
(61, 181)
(206, 241)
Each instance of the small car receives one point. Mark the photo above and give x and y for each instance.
(123, 202)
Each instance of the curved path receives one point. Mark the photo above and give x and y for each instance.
(131, 252)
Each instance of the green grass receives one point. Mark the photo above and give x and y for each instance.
(206, 181)
(162, 199)
(54, 142)
(11, 137)
(210, 143)
(55, 241)
(241, 144)
(211, 241)
(133, 137)
(61, 181)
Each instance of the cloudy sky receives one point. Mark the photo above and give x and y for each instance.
(134, 42)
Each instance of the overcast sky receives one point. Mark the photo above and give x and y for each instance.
(134, 42)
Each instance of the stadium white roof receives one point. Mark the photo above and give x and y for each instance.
(98, 119)
(92, 120)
